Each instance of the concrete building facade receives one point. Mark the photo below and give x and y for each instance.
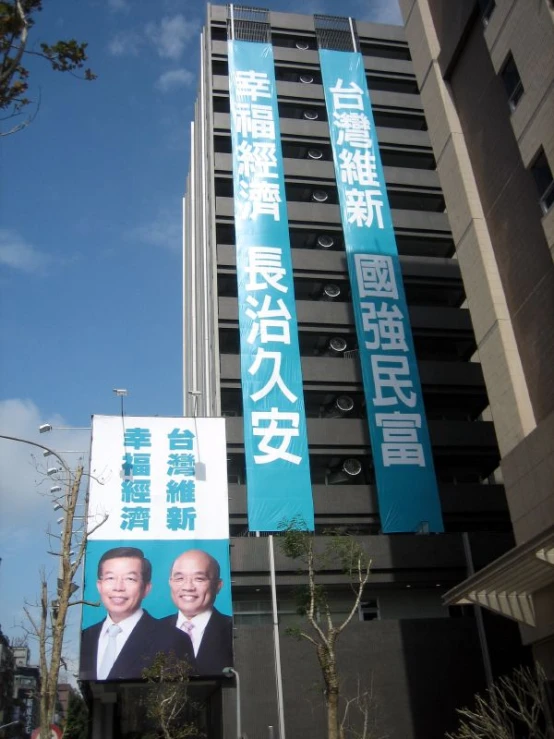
(486, 75)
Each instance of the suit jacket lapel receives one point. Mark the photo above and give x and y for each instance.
(129, 660)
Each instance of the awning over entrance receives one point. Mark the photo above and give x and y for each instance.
(507, 585)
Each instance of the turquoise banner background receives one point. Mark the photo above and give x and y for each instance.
(275, 439)
(161, 554)
(402, 455)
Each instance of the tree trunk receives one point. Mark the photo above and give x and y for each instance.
(333, 714)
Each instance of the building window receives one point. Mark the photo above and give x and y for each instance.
(542, 174)
(368, 610)
(486, 7)
(512, 82)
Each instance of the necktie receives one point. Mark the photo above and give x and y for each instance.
(110, 654)
(188, 628)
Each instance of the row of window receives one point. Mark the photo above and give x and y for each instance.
(443, 402)
(375, 80)
(303, 42)
(435, 244)
(400, 197)
(420, 290)
(313, 110)
(317, 339)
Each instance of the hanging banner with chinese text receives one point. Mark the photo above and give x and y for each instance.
(275, 439)
(157, 555)
(402, 456)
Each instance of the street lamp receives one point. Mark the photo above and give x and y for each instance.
(44, 427)
(229, 672)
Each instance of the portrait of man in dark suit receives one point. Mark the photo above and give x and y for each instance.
(128, 639)
(195, 580)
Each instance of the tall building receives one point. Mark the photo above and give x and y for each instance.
(421, 657)
(486, 76)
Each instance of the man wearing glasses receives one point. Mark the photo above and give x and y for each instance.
(128, 639)
(194, 582)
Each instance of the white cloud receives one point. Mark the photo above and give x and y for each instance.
(24, 485)
(125, 43)
(171, 35)
(164, 231)
(174, 78)
(17, 253)
(117, 6)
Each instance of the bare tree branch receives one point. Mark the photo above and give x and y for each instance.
(300, 544)
(512, 701)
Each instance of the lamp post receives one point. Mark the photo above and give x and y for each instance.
(229, 672)
(51, 637)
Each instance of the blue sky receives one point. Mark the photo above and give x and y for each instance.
(90, 239)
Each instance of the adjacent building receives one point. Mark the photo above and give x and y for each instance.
(26, 691)
(6, 679)
(486, 75)
(422, 655)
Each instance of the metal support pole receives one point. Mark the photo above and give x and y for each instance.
(229, 672)
(276, 642)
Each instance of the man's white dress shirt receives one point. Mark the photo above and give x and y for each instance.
(199, 622)
(126, 626)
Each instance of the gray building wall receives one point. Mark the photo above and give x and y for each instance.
(421, 661)
(485, 150)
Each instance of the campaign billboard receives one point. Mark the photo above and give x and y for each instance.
(402, 456)
(275, 437)
(157, 567)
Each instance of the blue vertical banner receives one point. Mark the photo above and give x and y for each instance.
(275, 438)
(402, 456)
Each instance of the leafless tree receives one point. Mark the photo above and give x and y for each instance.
(168, 702)
(322, 632)
(361, 717)
(516, 701)
(48, 623)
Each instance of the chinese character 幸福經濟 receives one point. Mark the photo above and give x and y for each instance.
(135, 491)
(251, 84)
(135, 518)
(137, 438)
(254, 121)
